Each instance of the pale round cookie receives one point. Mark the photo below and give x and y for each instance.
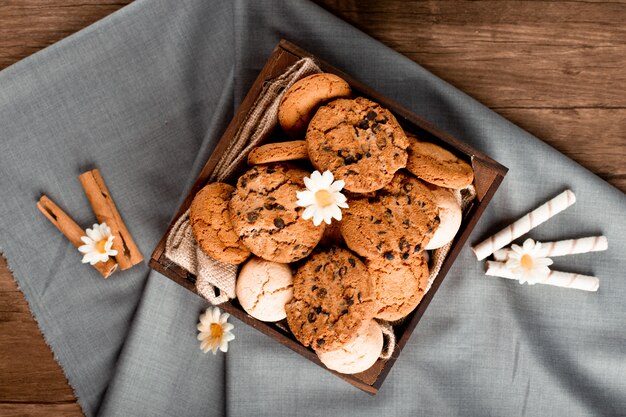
(436, 165)
(359, 141)
(396, 223)
(450, 216)
(277, 152)
(358, 355)
(304, 97)
(332, 296)
(263, 288)
(399, 285)
(266, 217)
(211, 225)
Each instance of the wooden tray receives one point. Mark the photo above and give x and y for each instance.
(488, 176)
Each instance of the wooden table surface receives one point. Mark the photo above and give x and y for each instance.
(557, 69)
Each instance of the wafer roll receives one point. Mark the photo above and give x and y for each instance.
(555, 278)
(564, 247)
(524, 225)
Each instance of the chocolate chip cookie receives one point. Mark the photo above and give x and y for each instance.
(304, 97)
(332, 297)
(359, 142)
(266, 217)
(398, 285)
(211, 225)
(436, 165)
(278, 152)
(396, 223)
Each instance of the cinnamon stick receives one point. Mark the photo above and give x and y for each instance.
(71, 230)
(128, 253)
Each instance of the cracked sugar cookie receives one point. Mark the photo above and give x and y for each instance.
(263, 288)
(332, 297)
(359, 141)
(358, 355)
(266, 217)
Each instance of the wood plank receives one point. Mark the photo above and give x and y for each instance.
(507, 53)
(26, 26)
(32, 410)
(28, 370)
(595, 138)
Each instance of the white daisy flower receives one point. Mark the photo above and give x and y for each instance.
(528, 262)
(214, 331)
(322, 198)
(97, 244)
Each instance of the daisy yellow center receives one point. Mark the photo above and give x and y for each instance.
(526, 261)
(216, 331)
(100, 246)
(324, 198)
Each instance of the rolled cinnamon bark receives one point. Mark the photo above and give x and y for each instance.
(524, 225)
(556, 278)
(71, 231)
(128, 253)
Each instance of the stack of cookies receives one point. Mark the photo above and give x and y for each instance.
(336, 281)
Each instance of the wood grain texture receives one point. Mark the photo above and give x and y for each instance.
(49, 410)
(26, 26)
(554, 68)
(28, 371)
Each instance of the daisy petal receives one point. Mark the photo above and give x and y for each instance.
(316, 176)
(224, 346)
(327, 179)
(309, 212)
(529, 244)
(305, 198)
(223, 320)
(93, 234)
(216, 315)
(105, 230)
(310, 184)
(339, 198)
(336, 212)
(337, 186)
(205, 319)
(85, 248)
(318, 217)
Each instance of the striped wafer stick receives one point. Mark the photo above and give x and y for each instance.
(524, 225)
(564, 247)
(556, 278)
